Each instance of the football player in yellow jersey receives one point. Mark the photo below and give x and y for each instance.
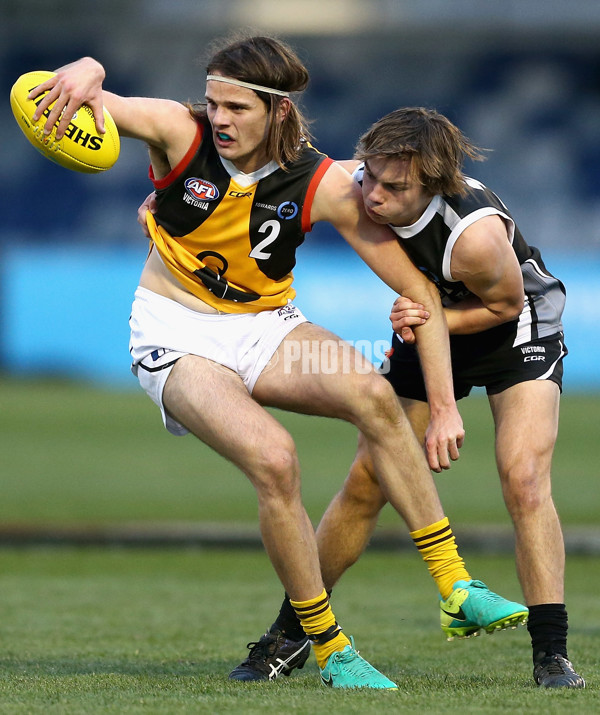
(213, 341)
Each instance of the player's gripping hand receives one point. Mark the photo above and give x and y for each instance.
(74, 84)
(148, 205)
(405, 315)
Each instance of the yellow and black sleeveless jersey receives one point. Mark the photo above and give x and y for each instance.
(233, 245)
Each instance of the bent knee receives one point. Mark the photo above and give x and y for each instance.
(376, 403)
(275, 471)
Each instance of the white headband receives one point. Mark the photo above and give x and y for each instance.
(248, 85)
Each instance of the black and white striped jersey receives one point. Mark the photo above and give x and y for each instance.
(430, 240)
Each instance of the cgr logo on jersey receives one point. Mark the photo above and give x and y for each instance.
(287, 210)
(240, 194)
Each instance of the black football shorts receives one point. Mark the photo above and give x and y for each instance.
(486, 359)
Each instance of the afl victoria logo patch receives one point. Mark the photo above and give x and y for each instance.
(201, 189)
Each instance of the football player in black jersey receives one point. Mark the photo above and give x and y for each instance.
(503, 309)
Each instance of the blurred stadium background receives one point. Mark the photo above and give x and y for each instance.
(520, 78)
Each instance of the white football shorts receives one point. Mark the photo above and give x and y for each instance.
(163, 330)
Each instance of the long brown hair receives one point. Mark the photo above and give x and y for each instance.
(435, 147)
(268, 62)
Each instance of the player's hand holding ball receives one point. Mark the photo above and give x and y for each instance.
(73, 130)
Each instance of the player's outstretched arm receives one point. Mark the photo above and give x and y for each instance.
(163, 124)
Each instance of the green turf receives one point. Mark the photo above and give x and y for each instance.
(142, 631)
(137, 631)
(72, 453)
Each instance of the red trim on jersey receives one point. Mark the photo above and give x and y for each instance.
(181, 166)
(311, 191)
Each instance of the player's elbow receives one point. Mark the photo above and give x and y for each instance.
(517, 305)
(510, 310)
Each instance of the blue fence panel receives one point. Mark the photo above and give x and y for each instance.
(65, 309)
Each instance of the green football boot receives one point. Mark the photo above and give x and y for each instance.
(346, 669)
(472, 607)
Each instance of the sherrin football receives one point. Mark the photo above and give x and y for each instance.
(82, 148)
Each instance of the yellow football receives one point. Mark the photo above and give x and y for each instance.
(82, 148)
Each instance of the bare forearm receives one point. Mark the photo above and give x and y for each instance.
(434, 354)
(445, 433)
(436, 368)
(472, 316)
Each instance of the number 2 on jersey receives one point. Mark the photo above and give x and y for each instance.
(272, 229)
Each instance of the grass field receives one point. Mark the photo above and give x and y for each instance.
(151, 631)
(135, 631)
(73, 454)
(86, 630)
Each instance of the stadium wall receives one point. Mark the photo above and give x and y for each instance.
(65, 309)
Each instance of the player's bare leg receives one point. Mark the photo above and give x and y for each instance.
(213, 403)
(526, 417)
(346, 526)
(366, 400)
(350, 519)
